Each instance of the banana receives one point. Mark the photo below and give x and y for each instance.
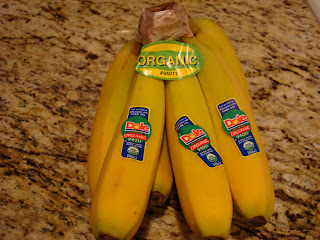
(163, 180)
(112, 100)
(214, 38)
(125, 181)
(203, 191)
(249, 176)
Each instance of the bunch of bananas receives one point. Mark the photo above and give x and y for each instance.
(129, 155)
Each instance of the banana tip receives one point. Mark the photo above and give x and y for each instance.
(107, 237)
(258, 221)
(213, 238)
(156, 198)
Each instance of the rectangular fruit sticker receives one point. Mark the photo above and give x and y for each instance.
(197, 140)
(236, 124)
(169, 60)
(136, 130)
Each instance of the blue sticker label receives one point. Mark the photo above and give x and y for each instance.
(227, 106)
(236, 124)
(210, 157)
(247, 145)
(183, 121)
(136, 131)
(197, 140)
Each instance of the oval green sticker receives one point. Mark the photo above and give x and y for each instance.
(194, 138)
(236, 123)
(136, 129)
(169, 60)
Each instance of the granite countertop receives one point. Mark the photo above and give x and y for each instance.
(54, 56)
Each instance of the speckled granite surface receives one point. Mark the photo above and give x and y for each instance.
(53, 60)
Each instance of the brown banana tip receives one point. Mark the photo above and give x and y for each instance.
(258, 221)
(163, 22)
(156, 198)
(162, 7)
(136, 48)
(213, 238)
(107, 237)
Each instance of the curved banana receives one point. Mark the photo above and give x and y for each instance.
(203, 189)
(249, 176)
(214, 38)
(112, 100)
(164, 178)
(126, 178)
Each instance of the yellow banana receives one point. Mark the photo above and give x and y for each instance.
(111, 103)
(112, 100)
(124, 186)
(203, 189)
(249, 176)
(214, 38)
(163, 180)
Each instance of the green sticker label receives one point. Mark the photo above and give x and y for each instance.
(235, 122)
(136, 129)
(194, 138)
(169, 60)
